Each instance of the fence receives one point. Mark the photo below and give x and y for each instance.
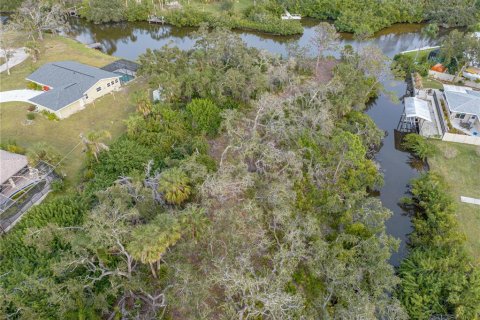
(451, 78)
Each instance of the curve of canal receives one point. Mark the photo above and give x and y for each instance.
(129, 40)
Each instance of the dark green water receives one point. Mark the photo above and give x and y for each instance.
(129, 40)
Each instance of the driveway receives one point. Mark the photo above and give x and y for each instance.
(18, 56)
(18, 95)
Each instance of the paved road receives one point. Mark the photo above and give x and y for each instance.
(18, 56)
(18, 95)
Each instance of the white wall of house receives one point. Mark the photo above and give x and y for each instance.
(106, 86)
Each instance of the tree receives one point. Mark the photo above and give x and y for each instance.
(452, 13)
(174, 184)
(37, 17)
(33, 50)
(6, 46)
(325, 39)
(143, 102)
(151, 241)
(205, 116)
(430, 31)
(92, 142)
(100, 11)
(459, 49)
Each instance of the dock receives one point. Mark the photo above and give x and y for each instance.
(155, 19)
(96, 45)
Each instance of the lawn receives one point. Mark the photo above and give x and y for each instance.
(459, 165)
(106, 113)
(53, 48)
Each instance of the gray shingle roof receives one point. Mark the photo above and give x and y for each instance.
(464, 102)
(69, 81)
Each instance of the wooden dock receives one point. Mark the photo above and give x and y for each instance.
(96, 45)
(155, 19)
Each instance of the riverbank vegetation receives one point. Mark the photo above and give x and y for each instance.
(441, 276)
(266, 214)
(438, 278)
(360, 17)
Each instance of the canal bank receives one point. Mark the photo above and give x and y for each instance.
(129, 40)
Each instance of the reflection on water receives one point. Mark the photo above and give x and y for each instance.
(129, 40)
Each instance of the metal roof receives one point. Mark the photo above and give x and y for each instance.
(463, 101)
(69, 81)
(417, 108)
(10, 164)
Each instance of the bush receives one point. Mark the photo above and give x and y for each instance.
(34, 86)
(30, 116)
(32, 108)
(189, 17)
(50, 115)
(205, 116)
(418, 145)
(57, 185)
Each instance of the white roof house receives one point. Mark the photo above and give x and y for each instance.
(417, 108)
(462, 100)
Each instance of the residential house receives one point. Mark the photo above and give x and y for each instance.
(464, 106)
(69, 86)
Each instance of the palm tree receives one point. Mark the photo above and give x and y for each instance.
(152, 240)
(174, 184)
(92, 142)
(143, 103)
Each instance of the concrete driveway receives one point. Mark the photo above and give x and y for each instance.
(18, 56)
(18, 95)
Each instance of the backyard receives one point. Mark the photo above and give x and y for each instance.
(106, 113)
(458, 164)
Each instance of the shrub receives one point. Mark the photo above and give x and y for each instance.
(50, 115)
(11, 146)
(34, 86)
(418, 145)
(205, 116)
(30, 116)
(57, 185)
(175, 186)
(32, 108)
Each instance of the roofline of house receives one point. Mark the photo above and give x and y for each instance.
(38, 104)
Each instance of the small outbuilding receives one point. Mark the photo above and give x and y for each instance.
(69, 86)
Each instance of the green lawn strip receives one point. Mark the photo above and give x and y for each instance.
(106, 113)
(462, 177)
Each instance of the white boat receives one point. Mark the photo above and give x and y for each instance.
(288, 16)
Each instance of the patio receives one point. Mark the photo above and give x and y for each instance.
(469, 128)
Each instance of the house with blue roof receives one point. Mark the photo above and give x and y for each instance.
(69, 86)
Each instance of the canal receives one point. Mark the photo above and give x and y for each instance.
(129, 40)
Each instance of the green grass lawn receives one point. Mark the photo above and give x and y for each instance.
(106, 113)
(431, 83)
(53, 48)
(462, 175)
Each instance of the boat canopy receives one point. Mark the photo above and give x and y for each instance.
(417, 108)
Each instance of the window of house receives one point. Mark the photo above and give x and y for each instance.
(108, 84)
(116, 80)
(460, 116)
(99, 88)
(86, 97)
(113, 82)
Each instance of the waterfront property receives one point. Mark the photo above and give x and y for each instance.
(69, 86)
(464, 107)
